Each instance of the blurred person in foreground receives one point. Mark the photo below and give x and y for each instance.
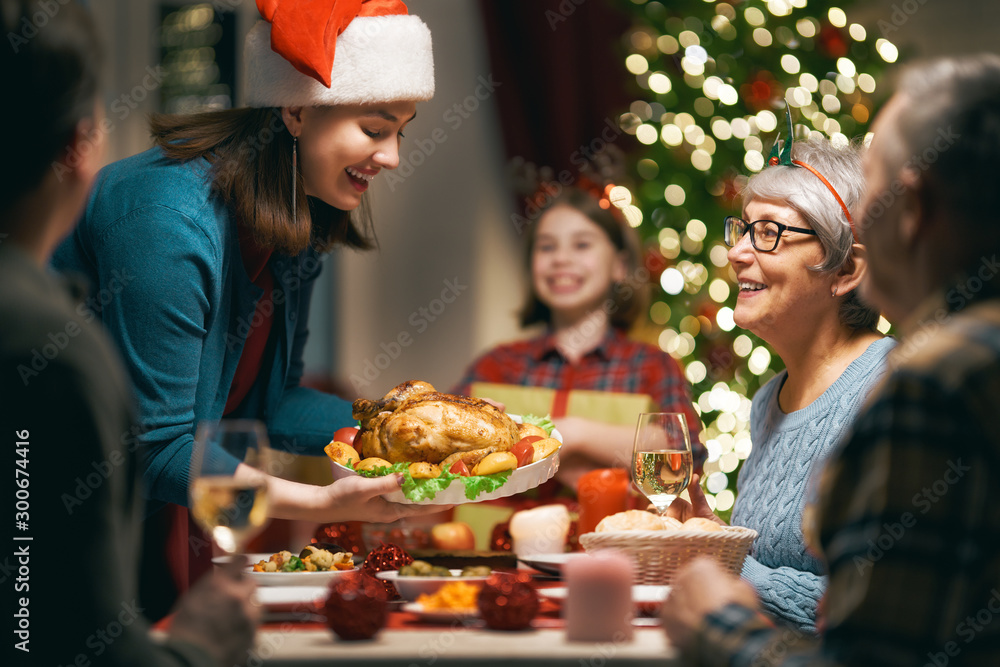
(906, 517)
(798, 268)
(66, 400)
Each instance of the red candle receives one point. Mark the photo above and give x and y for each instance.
(601, 492)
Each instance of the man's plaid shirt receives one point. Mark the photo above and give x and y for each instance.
(908, 517)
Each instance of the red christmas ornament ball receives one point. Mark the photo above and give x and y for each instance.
(832, 41)
(508, 601)
(384, 558)
(500, 539)
(356, 607)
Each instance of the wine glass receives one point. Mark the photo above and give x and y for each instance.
(661, 457)
(232, 509)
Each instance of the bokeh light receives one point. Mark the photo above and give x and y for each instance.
(713, 79)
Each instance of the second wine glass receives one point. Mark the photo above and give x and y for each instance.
(661, 457)
(232, 508)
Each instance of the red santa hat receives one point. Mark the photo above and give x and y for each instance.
(327, 52)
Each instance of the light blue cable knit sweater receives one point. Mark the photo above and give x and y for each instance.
(773, 484)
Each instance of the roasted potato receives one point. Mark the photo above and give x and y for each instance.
(342, 453)
(471, 458)
(424, 470)
(524, 430)
(495, 462)
(544, 448)
(371, 463)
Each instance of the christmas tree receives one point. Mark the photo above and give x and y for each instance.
(713, 80)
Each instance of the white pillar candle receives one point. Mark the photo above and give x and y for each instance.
(541, 530)
(598, 605)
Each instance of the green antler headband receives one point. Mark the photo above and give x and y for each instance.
(781, 154)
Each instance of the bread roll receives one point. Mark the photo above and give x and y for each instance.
(630, 520)
(697, 523)
(670, 523)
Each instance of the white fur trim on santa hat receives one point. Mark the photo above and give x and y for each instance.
(377, 59)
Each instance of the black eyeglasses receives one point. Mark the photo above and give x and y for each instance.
(764, 234)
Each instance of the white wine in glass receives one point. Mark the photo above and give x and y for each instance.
(661, 457)
(232, 509)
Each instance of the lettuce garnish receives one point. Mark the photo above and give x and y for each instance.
(426, 489)
(544, 423)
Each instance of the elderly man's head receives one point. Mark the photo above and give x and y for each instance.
(933, 164)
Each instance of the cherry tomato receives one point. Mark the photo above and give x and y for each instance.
(345, 435)
(459, 468)
(524, 451)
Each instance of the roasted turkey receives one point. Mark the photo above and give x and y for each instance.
(413, 422)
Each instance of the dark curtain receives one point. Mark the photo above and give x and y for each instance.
(563, 77)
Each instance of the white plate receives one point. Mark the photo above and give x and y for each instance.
(440, 615)
(640, 594)
(284, 595)
(550, 563)
(284, 578)
(410, 588)
(522, 479)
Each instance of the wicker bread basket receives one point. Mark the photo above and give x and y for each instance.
(658, 554)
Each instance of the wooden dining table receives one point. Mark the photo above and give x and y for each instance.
(297, 636)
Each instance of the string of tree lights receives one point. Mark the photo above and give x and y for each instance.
(711, 81)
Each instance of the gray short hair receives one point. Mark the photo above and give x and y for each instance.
(951, 133)
(807, 194)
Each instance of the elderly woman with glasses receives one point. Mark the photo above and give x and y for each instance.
(798, 266)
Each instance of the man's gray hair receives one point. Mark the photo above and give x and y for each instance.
(949, 130)
(807, 194)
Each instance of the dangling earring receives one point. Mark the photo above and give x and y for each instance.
(834, 295)
(295, 181)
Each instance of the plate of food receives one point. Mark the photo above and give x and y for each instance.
(450, 449)
(439, 615)
(314, 566)
(420, 578)
(281, 596)
(453, 600)
(641, 594)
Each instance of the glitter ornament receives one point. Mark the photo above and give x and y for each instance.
(384, 558)
(357, 606)
(508, 601)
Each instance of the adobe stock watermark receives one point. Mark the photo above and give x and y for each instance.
(778, 648)
(943, 140)
(562, 13)
(420, 320)
(924, 501)
(581, 335)
(88, 310)
(121, 108)
(102, 638)
(956, 299)
(902, 12)
(581, 158)
(299, 271)
(429, 652)
(29, 28)
(454, 117)
(967, 630)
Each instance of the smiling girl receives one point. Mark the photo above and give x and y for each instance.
(587, 288)
(207, 246)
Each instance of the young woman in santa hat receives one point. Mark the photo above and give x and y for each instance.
(203, 250)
